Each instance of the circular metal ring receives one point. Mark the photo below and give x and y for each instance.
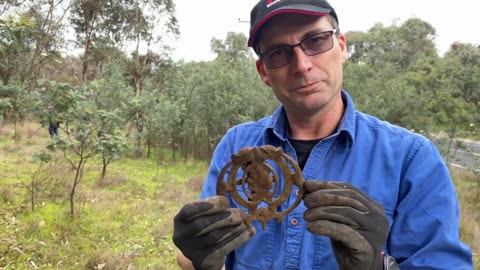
(260, 183)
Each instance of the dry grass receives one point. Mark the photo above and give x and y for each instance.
(112, 181)
(29, 139)
(108, 261)
(468, 189)
(6, 130)
(196, 183)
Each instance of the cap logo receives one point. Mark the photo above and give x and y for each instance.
(271, 2)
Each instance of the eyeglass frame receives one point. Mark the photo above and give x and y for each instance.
(291, 48)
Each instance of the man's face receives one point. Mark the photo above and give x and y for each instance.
(308, 84)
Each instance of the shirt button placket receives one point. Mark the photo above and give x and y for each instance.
(294, 235)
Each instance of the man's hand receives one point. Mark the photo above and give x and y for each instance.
(356, 224)
(206, 231)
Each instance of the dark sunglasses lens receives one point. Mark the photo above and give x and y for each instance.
(278, 57)
(318, 44)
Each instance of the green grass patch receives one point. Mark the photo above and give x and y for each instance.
(124, 220)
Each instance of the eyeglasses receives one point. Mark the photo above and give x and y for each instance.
(312, 45)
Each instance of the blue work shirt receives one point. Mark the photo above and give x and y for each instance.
(399, 169)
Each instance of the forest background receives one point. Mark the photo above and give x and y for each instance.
(137, 129)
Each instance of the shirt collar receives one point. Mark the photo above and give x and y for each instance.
(346, 129)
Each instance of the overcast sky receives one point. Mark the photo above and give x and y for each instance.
(200, 21)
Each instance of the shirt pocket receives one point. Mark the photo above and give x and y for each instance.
(258, 252)
(323, 258)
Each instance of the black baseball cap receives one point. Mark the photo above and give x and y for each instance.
(266, 9)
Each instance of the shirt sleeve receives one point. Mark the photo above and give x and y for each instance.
(221, 155)
(425, 230)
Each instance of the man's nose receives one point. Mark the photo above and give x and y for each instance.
(300, 61)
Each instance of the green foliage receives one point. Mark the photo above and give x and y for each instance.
(123, 20)
(222, 93)
(234, 48)
(463, 72)
(109, 23)
(14, 46)
(15, 104)
(41, 157)
(396, 74)
(28, 40)
(398, 45)
(5, 105)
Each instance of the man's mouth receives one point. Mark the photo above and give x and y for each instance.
(304, 88)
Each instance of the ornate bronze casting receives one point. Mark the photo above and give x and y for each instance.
(260, 182)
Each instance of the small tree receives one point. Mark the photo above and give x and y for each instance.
(78, 147)
(87, 130)
(15, 104)
(111, 142)
(79, 142)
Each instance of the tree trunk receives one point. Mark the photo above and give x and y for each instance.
(76, 181)
(32, 193)
(104, 167)
(149, 144)
(209, 148)
(174, 150)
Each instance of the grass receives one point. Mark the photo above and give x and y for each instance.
(468, 188)
(122, 222)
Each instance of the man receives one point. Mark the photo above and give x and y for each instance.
(389, 195)
(53, 123)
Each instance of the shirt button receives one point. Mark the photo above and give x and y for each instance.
(297, 192)
(294, 222)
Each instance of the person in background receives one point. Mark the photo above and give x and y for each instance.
(377, 196)
(53, 123)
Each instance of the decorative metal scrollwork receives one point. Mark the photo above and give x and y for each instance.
(260, 182)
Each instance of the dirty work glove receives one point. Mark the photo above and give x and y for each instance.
(206, 231)
(356, 224)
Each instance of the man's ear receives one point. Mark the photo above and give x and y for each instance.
(262, 73)
(342, 41)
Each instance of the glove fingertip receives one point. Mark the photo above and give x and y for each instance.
(207, 206)
(311, 185)
(219, 201)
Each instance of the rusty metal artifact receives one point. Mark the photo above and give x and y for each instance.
(260, 182)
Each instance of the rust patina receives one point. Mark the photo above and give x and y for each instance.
(260, 183)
